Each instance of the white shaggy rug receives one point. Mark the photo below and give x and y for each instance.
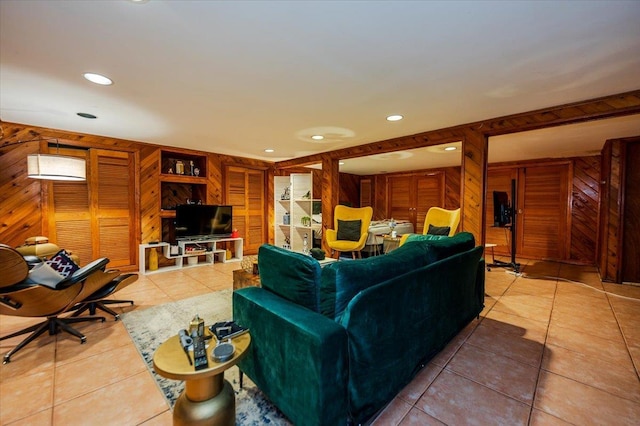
(150, 327)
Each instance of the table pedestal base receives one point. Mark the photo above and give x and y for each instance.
(219, 410)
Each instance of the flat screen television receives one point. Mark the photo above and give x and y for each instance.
(200, 221)
(501, 209)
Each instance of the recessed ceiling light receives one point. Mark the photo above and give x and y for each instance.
(98, 79)
(395, 117)
(450, 148)
(317, 137)
(86, 115)
(269, 150)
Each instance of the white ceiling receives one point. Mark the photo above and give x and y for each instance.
(236, 77)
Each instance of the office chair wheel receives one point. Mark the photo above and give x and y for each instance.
(83, 340)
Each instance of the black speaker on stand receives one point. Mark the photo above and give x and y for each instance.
(504, 216)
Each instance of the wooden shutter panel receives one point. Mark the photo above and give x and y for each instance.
(112, 201)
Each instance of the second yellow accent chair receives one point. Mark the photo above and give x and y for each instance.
(344, 213)
(439, 217)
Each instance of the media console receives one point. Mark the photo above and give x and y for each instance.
(192, 253)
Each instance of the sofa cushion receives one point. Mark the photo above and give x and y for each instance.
(425, 237)
(438, 230)
(291, 275)
(349, 230)
(445, 247)
(341, 281)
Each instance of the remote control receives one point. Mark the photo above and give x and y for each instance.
(199, 352)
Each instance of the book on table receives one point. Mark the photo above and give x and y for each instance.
(227, 330)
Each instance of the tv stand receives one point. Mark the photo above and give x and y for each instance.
(193, 253)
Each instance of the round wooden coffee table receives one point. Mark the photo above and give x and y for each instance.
(207, 398)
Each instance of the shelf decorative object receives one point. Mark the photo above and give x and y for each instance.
(305, 220)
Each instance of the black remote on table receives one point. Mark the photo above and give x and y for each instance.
(199, 352)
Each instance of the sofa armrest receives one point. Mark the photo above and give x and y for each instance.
(297, 357)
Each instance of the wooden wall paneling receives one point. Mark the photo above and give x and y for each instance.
(330, 195)
(366, 192)
(150, 220)
(349, 189)
(611, 211)
(380, 202)
(270, 199)
(452, 188)
(473, 177)
(630, 270)
(584, 209)
(20, 197)
(215, 186)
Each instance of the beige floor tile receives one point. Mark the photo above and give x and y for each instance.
(600, 325)
(450, 349)
(414, 390)
(566, 288)
(613, 377)
(535, 287)
(540, 418)
(497, 372)
(517, 325)
(626, 290)
(586, 344)
(37, 356)
(507, 344)
(539, 268)
(163, 419)
(111, 404)
(393, 413)
(455, 400)
(71, 380)
(41, 418)
(580, 404)
(98, 341)
(24, 396)
(417, 417)
(532, 307)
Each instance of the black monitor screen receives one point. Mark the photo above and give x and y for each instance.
(203, 220)
(501, 209)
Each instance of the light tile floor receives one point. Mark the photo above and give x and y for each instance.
(544, 351)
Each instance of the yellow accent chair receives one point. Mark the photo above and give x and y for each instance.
(342, 219)
(439, 217)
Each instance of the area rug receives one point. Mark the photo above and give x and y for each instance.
(150, 327)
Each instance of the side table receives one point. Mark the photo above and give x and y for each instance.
(242, 279)
(390, 243)
(207, 398)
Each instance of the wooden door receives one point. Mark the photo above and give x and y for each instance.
(112, 206)
(245, 191)
(94, 218)
(429, 193)
(542, 219)
(411, 196)
(631, 213)
(401, 196)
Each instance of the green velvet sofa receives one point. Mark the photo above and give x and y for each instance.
(333, 345)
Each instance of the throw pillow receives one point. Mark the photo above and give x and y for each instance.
(62, 263)
(44, 274)
(438, 230)
(349, 230)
